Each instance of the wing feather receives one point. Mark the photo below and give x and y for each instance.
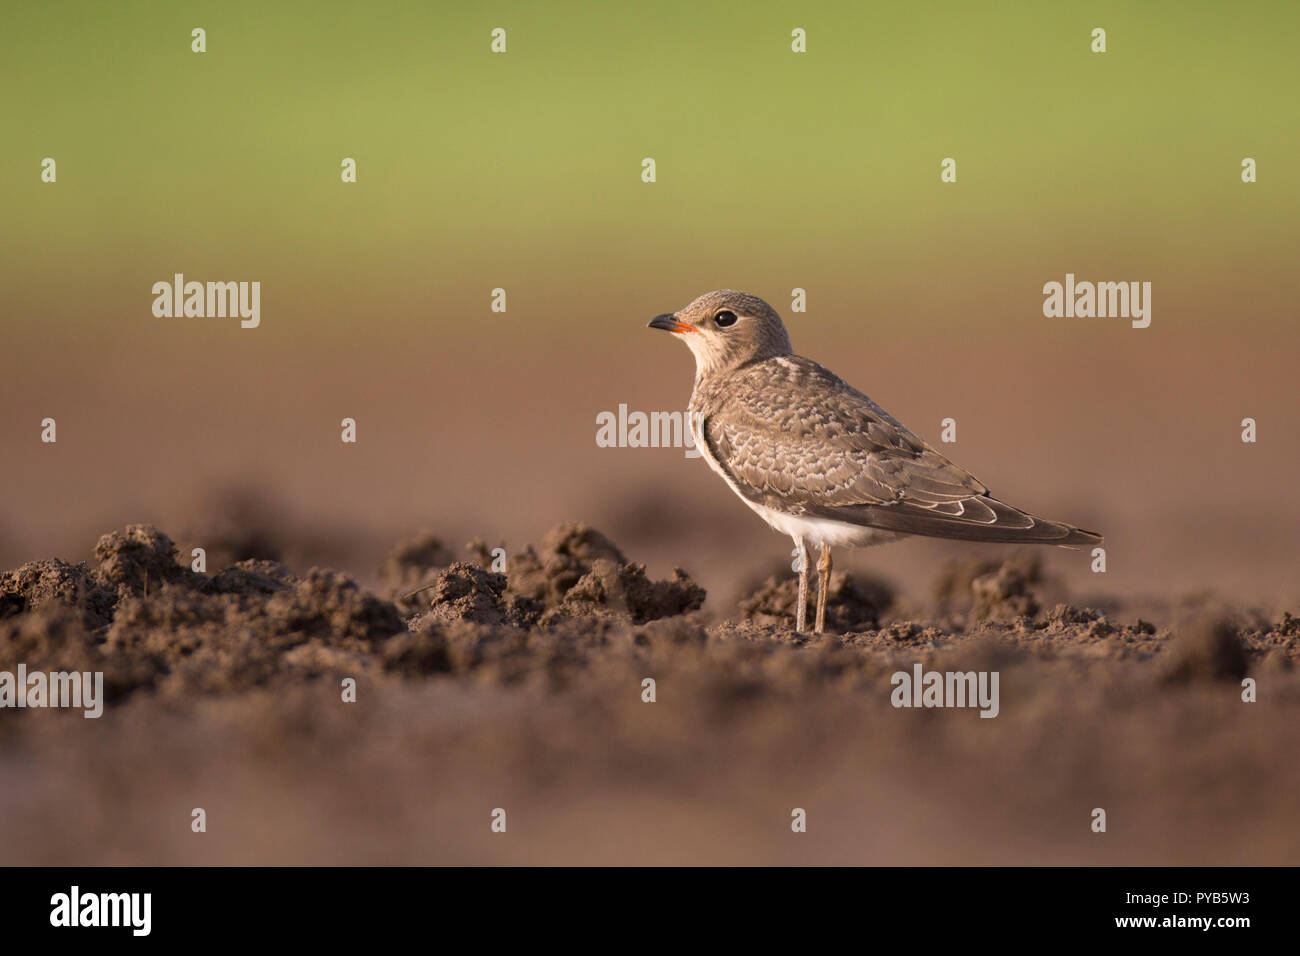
(793, 436)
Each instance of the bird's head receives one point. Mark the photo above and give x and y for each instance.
(727, 329)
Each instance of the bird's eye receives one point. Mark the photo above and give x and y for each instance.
(724, 319)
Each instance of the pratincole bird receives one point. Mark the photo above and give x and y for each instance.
(817, 459)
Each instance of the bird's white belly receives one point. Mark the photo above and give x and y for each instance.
(818, 531)
(814, 531)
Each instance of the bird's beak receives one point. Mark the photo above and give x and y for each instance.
(668, 322)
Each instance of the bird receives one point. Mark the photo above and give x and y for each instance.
(818, 460)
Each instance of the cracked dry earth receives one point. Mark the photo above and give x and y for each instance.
(523, 690)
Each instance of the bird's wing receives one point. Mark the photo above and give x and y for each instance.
(794, 437)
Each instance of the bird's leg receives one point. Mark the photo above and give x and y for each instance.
(801, 609)
(823, 582)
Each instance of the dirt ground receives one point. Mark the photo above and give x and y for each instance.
(524, 691)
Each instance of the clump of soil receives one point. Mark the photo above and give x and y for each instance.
(973, 589)
(1003, 594)
(55, 638)
(53, 583)
(1280, 641)
(252, 625)
(565, 556)
(622, 590)
(852, 603)
(158, 625)
(408, 567)
(466, 592)
(133, 560)
(617, 590)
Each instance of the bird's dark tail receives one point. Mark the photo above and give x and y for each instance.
(977, 518)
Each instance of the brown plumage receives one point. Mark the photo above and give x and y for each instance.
(816, 458)
(795, 437)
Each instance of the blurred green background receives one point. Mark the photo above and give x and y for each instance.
(477, 168)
